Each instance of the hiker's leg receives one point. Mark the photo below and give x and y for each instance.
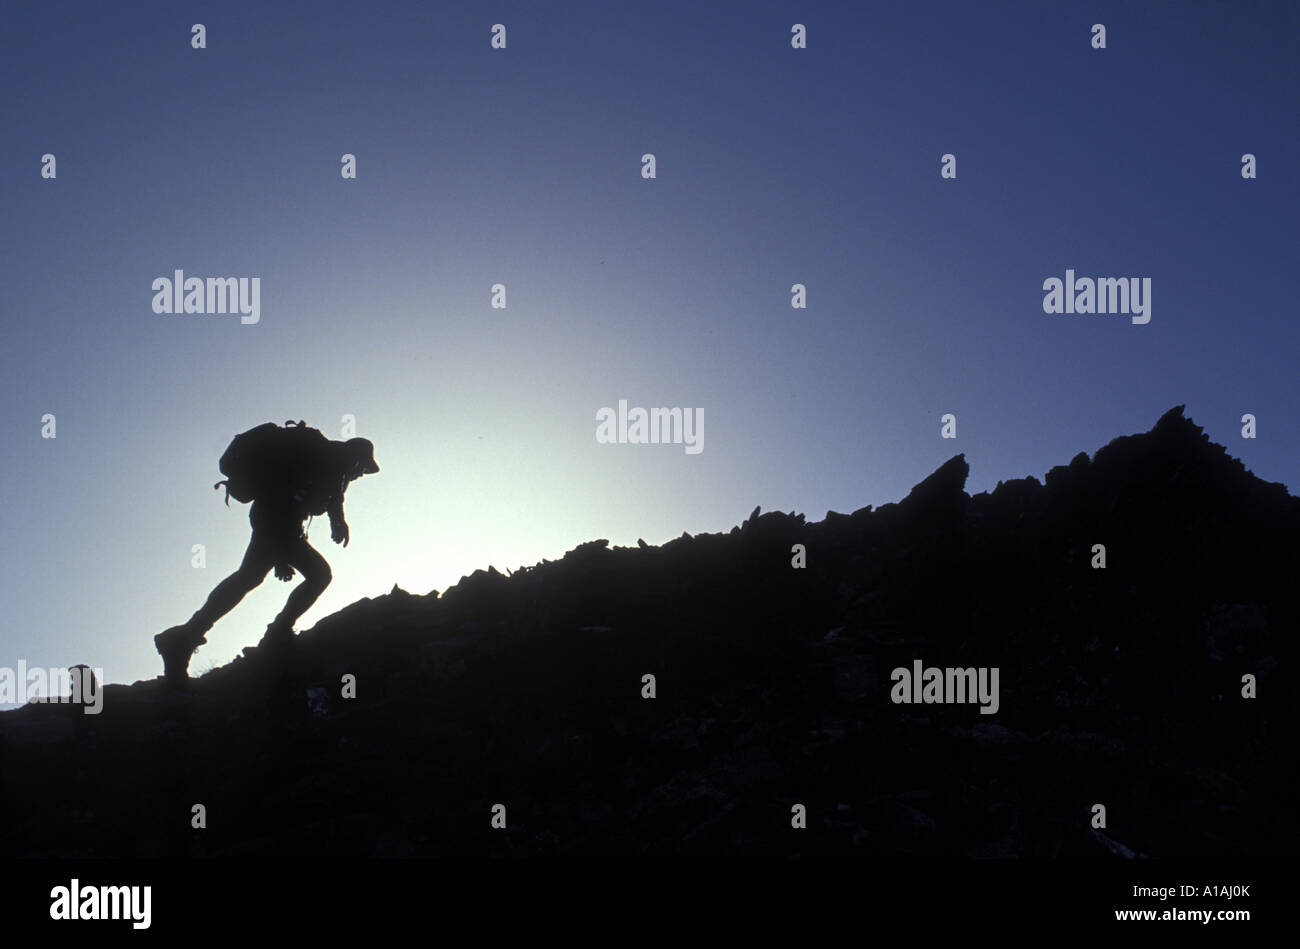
(257, 562)
(316, 576)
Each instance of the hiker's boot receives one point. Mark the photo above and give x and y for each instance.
(176, 646)
(279, 637)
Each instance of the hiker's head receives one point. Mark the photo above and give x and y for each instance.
(361, 457)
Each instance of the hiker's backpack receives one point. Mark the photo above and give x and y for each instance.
(270, 459)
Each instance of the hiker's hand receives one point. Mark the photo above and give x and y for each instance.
(339, 533)
(284, 572)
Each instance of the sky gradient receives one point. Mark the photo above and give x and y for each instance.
(522, 166)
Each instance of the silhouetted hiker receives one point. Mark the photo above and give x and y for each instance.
(288, 473)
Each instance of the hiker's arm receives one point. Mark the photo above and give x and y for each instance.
(338, 526)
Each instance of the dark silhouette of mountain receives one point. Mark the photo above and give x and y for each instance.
(1119, 686)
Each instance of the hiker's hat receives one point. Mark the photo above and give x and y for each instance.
(363, 450)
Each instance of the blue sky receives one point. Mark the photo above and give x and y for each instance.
(522, 166)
